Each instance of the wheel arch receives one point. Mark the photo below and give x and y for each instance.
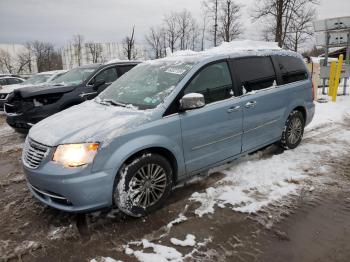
(160, 151)
(301, 109)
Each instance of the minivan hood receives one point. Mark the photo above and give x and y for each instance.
(32, 91)
(88, 122)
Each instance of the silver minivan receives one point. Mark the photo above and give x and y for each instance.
(164, 121)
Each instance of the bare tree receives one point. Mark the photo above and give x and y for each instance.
(172, 33)
(280, 14)
(212, 7)
(7, 63)
(47, 58)
(300, 29)
(95, 51)
(203, 27)
(155, 39)
(184, 21)
(229, 14)
(78, 43)
(129, 46)
(194, 34)
(25, 60)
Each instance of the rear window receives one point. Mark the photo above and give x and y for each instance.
(292, 69)
(254, 73)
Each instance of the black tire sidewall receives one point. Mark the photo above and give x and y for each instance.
(285, 141)
(126, 174)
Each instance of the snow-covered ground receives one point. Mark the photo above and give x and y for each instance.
(254, 182)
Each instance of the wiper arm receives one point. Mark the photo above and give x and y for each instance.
(112, 102)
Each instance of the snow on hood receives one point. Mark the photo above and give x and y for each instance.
(87, 122)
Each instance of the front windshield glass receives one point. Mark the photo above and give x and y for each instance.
(146, 85)
(37, 79)
(74, 77)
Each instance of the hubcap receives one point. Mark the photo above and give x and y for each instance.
(295, 130)
(147, 185)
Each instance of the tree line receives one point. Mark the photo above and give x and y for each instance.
(43, 55)
(287, 22)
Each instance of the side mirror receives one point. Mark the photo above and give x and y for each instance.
(192, 101)
(98, 83)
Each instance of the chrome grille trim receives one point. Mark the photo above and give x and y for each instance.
(34, 153)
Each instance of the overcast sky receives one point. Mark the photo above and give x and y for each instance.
(110, 20)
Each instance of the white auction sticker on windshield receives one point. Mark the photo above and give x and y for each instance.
(177, 71)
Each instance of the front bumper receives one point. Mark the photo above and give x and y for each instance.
(71, 191)
(3, 99)
(24, 121)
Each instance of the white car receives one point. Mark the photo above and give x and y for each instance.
(39, 79)
(10, 80)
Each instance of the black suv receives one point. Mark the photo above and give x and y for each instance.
(29, 105)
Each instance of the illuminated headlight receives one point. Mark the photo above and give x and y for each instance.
(75, 155)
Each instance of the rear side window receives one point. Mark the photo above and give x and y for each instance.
(108, 75)
(124, 69)
(3, 82)
(14, 81)
(254, 73)
(213, 82)
(292, 69)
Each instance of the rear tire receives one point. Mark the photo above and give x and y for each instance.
(144, 185)
(293, 131)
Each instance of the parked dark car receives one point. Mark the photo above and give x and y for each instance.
(27, 106)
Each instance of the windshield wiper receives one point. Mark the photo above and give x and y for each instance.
(112, 102)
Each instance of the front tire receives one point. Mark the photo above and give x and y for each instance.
(144, 185)
(293, 131)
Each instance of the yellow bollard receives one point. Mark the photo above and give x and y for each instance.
(332, 72)
(337, 78)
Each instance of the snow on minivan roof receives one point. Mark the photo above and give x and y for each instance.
(234, 48)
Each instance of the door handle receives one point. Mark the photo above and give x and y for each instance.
(250, 104)
(233, 109)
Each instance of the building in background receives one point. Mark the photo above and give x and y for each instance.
(17, 59)
(74, 55)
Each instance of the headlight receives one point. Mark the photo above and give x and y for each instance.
(76, 155)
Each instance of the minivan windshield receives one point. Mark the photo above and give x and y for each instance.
(146, 85)
(74, 77)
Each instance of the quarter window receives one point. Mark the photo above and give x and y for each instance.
(254, 73)
(213, 82)
(292, 69)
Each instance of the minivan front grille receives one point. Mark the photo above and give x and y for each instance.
(34, 153)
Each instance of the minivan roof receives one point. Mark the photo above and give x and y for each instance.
(238, 48)
(119, 62)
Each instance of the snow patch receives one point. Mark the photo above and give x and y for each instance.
(189, 241)
(104, 259)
